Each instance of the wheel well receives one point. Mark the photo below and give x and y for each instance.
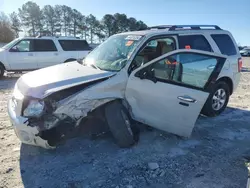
(68, 60)
(1, 64)
(228, 81)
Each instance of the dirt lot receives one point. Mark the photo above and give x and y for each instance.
(212, 157)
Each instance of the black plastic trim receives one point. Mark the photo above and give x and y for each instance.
(211, 80)
(145, 43)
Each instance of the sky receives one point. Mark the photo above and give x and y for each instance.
(232, 15)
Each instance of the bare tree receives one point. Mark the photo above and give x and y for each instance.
(6, 33)
(15, 23)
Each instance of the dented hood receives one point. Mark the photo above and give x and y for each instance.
(43, 82)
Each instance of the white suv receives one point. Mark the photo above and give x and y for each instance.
(31, 53)
(163, 77)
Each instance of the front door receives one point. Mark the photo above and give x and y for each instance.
(169, 92)
(22, 56)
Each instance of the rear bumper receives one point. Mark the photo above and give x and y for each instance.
(236, 80)
(25, 133)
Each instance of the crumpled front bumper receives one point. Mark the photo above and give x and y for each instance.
(24, 132)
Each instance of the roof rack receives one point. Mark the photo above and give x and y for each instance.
(66, 37)
(185, 27)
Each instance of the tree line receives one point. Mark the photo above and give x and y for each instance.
(62, 20)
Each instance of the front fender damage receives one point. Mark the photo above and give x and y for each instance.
(71, 107)
(66, 121)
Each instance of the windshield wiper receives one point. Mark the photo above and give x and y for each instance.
(94, 66)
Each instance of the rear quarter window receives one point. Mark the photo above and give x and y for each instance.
(225, 44)
(197, 42)
(74, 45)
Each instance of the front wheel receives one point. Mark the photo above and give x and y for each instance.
(1, 70)
(217, 100)
(120, 124)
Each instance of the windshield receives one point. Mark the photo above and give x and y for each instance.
(7, 46)
(112, 55)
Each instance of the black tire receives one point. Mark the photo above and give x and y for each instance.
(2, 69)
(208, 109)
(69, 60)
(123, 131)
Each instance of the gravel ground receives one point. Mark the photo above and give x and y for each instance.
(212, 157)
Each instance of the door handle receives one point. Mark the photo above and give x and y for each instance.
(30, 54)
(55, 53)
(187, 99)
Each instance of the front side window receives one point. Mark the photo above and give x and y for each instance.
(113, 54)
(153, 49)
(186, 68)
(44, 45)
(23, 46)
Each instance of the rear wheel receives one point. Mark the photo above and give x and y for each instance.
(69, 60)
(217, 100)
(119, 122)
(2, 69)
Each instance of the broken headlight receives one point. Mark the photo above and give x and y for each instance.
(34, 108)
(17, 93)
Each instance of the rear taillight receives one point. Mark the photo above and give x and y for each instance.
(239, 64)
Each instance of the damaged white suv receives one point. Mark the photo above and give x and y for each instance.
(163, 77)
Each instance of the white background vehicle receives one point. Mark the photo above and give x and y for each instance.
(245, 52)
(163, 77)
(31, 53)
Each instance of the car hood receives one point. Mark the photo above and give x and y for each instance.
(43, 82)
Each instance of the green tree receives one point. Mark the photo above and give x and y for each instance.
(93, 25)
(31, 17)
(15, 23)
(59, 21)
(66, 19)
(50, 18)
(122, 22)
(109, 25)
(76, 21)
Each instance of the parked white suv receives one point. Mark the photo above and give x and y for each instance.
(29, 53)
(164, 77)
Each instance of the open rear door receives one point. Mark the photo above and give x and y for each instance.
(169, 92)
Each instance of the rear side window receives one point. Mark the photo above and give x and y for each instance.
(45, 45)
(225, 44)
(74, 45)
(197, 42)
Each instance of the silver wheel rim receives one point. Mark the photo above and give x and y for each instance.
(127, 122)
(219, 99)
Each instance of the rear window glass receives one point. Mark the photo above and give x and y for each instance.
(225, 44)
(44, 45)
(74, 45)
(197, 42)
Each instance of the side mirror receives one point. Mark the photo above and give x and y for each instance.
(148, 74)
(14, 49)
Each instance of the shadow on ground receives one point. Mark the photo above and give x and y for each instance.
(245, 69)
(8, 82)
(212, 157)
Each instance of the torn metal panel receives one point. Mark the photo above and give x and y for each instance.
(85, 101)
(61, 77)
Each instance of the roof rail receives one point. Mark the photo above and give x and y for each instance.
(186, 27)
(161, 27)
(66, 37)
